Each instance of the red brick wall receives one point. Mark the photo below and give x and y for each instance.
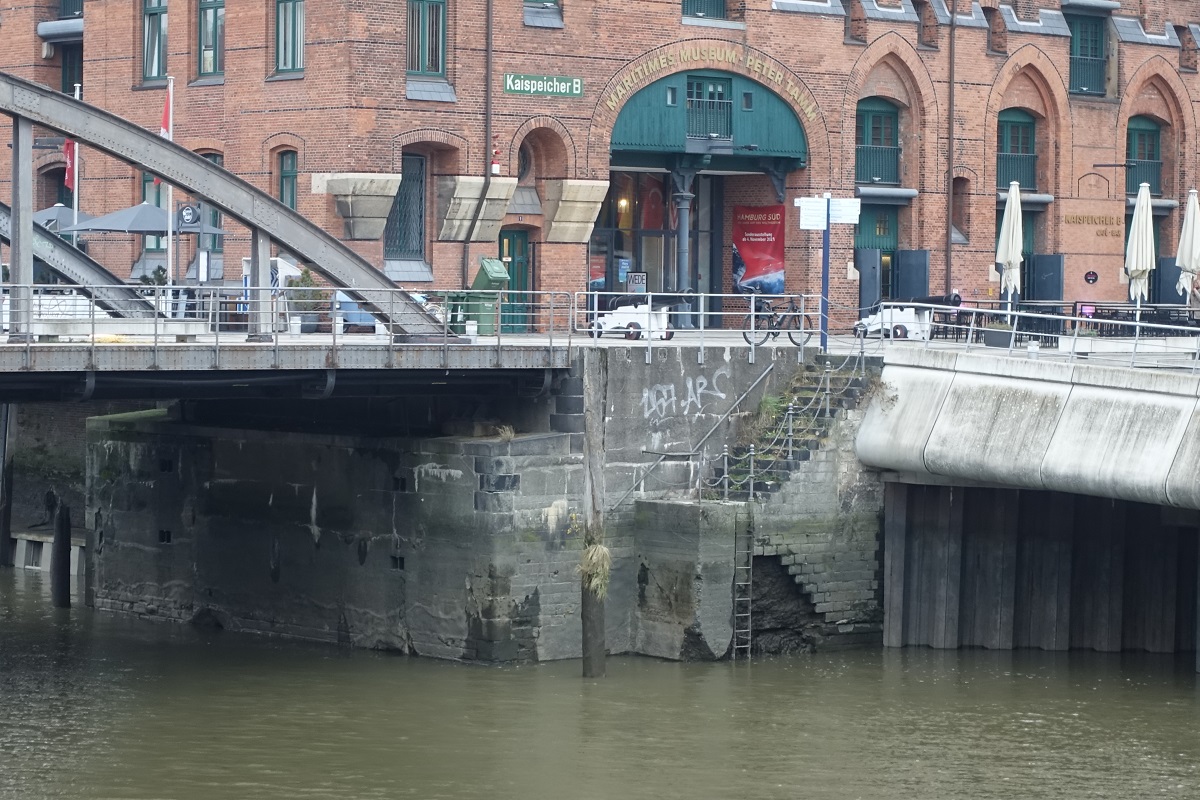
(349, 113)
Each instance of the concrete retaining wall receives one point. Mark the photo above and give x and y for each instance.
(466, 547)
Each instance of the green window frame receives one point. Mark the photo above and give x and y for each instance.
(1089, 54)
(710, 9)
(427, 37)
(404, 234)
(1143, 155)
(72, 68)
(212, 37)
(154, 194)
(154, 39)
(288, 172)
(877, 142)
(61, 193)
(1015, 134)
(214, 243)
(1016, 149)
(877, 123)
(289, 35)
(709, 107)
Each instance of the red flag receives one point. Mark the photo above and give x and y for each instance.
(165, 130)
(70, 150)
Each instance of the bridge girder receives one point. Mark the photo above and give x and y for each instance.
(221, 189)
(78, 268)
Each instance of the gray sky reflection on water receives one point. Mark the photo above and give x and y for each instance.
(96, 706)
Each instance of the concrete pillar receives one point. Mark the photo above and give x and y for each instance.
(933, 566)
(1098, 574)
(1186, 591)
(259, 318)
(60, 559)
(1151, 571)
(1042, 608)
(8, 429)
(989, 569)
(895, 535)
(20, 308)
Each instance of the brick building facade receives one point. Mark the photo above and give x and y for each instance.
(738, 103)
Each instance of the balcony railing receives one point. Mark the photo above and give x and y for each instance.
(877, 164)
(1138, 172)
(70, 8)
(710, 119)
(710, 9)
(1087, 75)
(1021, 168)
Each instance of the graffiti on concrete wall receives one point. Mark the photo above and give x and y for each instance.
(666, 400)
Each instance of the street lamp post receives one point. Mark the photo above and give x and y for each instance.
(947, 282)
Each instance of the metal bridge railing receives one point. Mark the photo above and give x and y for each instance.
(220, 318)
(1157, 336)
(654, 318)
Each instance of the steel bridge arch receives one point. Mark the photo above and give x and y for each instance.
(78, 268)
(268, 219)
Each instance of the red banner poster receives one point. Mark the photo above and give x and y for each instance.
(758, 249)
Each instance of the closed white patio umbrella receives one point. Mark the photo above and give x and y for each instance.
(1139, 252)
(1010, 244)
(1188, 254)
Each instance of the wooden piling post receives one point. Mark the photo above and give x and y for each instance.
(591, 600)
(60, 559)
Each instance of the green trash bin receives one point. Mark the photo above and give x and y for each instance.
(491, 279)
(456, 311)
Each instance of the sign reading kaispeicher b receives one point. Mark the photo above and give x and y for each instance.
(559, 85)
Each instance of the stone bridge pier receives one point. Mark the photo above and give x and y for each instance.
(451, 525)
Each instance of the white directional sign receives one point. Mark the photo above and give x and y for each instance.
(812, 213)
(844, 210)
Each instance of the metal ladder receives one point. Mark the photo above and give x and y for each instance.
(743, 580)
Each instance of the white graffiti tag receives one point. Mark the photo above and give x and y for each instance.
(659, 400)
(702, 389)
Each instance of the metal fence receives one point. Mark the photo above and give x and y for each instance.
(1124, 334)
(876, 164)
(1019, 167)
(713, 9)
(710, 119)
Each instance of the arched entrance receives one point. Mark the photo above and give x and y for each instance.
(684, 150)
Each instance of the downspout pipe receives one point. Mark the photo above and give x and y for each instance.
(946, 289)
(487, 143)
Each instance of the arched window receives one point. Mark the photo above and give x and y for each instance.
(1016, 149)
(877, 157)
(1143, 155)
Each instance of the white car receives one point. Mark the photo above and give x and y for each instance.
(635, 320)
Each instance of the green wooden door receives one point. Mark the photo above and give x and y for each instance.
(518, 300)
(879, 229)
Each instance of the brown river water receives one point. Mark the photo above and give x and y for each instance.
(97, 706)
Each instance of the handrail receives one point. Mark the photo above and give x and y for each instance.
(703, 439)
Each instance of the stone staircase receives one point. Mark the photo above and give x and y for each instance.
(770, 447)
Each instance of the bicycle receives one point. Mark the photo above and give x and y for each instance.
(767, 321)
